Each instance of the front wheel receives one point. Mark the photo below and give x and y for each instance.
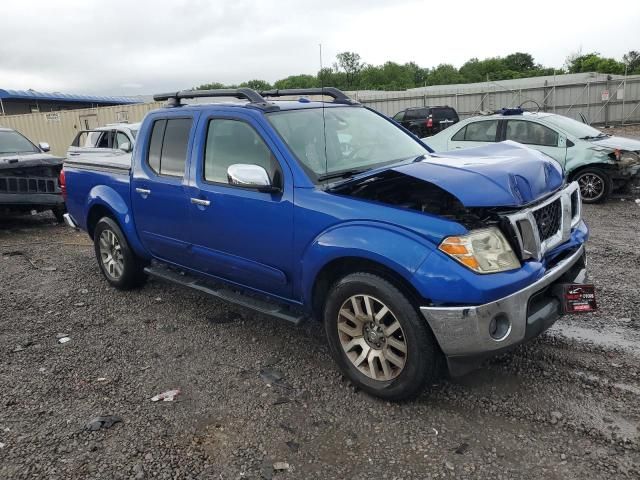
(118, 263)
(595, 185)
(378, 339)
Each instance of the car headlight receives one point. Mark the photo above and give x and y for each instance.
(629, 158)
(483, 251)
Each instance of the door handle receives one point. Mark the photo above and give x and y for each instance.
(201, 202)
(143, 191)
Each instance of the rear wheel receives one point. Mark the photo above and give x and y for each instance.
(595, 185)
(378, 338)
(117, 262)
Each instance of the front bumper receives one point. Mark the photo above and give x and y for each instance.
(463, 333)
(31, 199)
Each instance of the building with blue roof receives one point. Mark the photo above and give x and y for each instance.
(16, 102)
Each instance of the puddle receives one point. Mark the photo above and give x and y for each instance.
(609, 338)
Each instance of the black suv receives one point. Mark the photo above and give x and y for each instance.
(426, 121)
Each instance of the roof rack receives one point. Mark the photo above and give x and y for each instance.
(338, 95)
(255, 99)
(173, 99)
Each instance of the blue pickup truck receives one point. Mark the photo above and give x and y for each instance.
(327, 210)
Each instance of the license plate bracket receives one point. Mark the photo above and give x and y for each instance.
(578, 298)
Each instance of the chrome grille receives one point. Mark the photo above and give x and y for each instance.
(548, 219)
(542, 227)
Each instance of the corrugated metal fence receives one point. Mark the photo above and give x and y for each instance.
(60, 128)
(601, 101)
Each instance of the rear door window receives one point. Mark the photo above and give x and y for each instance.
(398, 116)
(168, 146)
(483, 131)
(121, 139)
(106, 140)
(531, 133)
(444, 114)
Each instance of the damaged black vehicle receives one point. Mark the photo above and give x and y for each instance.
(29, 177)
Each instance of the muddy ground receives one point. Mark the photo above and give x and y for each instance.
(565, 407)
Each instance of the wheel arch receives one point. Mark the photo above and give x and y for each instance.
(606, 167)
(105, 201)
(340, 267)
(96, 212)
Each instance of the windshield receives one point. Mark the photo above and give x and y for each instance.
(573, 127)
(357, 139)
(12, 142)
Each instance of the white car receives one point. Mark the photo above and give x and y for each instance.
(113, 138)
(600, 163)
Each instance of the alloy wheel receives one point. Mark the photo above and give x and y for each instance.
(592, 186)
(372, 337)
(111, 254)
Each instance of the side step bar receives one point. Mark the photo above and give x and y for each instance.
(186, 280)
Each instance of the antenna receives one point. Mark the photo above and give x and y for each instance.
(324, 121)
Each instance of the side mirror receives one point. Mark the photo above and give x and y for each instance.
(125, 147)
(570, 143)
(250, 176)
(44, 146)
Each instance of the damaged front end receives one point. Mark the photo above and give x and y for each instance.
(30, 182)
(504, 295)
(532, 230)
(628, 169)
(403, 191)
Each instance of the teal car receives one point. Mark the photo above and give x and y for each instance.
(600, 163)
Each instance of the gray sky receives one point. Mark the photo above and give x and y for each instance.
(143, 46)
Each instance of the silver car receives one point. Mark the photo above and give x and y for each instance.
(600, 163)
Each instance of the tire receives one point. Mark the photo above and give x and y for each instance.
(117, 262)
(406, 374)
(595, 185)
(58, 212)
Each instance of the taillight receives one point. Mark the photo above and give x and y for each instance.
(63, 185)
(429, 122)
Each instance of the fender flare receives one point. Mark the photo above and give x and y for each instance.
(395, 248)
(106, 197)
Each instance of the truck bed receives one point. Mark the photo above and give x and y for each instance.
(117, 161)
(91, 176)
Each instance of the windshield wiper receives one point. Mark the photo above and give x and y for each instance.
(594, 137)
(342, 174)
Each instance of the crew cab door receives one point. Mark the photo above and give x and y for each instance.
(159, 193)
(241, 234)
(538, 137)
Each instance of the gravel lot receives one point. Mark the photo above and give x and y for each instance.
(565, 407)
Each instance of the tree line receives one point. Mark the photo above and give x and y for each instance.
(350, 72)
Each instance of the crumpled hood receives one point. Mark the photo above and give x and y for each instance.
(29, 160)
(505, 174)
(621, 143)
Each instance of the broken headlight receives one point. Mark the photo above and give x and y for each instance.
(483, 251)
(628, 159)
